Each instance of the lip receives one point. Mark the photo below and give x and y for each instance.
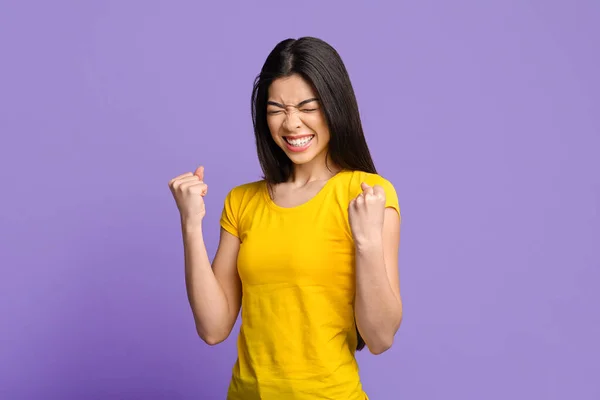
(296, 149)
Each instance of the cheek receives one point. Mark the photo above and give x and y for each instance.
(323, 130)
(318, 125)
(273, 127)
(325, 137)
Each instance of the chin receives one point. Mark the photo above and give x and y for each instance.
(300, 159)
(306, 157)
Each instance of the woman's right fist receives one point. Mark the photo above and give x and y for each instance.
(188, 190)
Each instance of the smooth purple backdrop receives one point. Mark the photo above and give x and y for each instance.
(484, 114)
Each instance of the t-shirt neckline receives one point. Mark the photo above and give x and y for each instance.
(307, 203)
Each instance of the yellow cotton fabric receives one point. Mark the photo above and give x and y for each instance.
(298, 335)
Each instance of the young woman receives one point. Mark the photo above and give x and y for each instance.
(309, 253)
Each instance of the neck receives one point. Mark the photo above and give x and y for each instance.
(320, 168)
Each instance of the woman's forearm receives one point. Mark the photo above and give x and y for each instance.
(378, 310)
(205, 294)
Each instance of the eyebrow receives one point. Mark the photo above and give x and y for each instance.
(303, 102)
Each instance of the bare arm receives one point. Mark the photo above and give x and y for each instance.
(376, 232)
(214, 292)
(378, 305)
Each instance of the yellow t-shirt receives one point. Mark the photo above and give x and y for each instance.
(298, 335)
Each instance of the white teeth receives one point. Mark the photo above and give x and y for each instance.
(299, 142)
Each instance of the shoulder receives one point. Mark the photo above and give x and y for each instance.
(242, 194)
(353, 179)
(370, 179)
(237, 201)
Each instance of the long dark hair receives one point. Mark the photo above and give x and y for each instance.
(320, 65)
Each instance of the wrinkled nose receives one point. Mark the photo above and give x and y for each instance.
(292, 120)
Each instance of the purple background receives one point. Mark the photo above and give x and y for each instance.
(485, 115)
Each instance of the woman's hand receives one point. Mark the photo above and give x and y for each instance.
(365, 214)
(188, 190)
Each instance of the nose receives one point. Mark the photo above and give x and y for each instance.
(292, 120)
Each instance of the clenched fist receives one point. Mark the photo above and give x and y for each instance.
(188, 190)
(366, 213)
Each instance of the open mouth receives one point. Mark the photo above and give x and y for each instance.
(298, 142)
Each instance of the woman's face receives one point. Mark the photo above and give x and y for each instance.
(296, 119)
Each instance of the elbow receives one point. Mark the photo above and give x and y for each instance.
(384, 341)
(381, 346)
(211, 339)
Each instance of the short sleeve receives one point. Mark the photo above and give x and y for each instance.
(391, 197)
(229, 216)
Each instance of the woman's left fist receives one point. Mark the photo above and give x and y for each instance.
(366, 212)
